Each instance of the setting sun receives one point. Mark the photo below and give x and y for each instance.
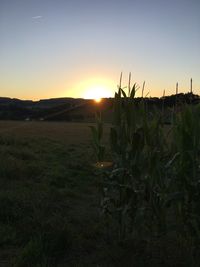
(97, 93)
(94, 88)
(97, 100)
(94, 93)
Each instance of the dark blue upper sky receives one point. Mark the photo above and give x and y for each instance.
(53, 48)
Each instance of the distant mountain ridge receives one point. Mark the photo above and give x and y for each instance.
(76, 109)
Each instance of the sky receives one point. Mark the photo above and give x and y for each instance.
(78, 48)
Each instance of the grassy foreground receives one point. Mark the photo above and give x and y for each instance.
(50, 204)
(48, 199)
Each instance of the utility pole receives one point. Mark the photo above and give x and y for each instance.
(176, 88)
(191, 85)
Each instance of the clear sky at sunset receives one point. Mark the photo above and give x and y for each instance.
(70, 48)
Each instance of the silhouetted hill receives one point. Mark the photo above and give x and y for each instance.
(71, 109)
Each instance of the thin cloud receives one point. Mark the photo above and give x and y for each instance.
(37, 17)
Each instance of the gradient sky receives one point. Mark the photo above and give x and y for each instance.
(61, 48)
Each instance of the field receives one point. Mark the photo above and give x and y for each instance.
(68, 133)
(48, 197)
(49, 200)
(50, 212)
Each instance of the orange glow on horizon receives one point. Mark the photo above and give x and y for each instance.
(95, 88)
(97, 100)
(97, 93)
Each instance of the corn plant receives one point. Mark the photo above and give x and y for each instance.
(154, 185)
(97, 135)
(187, 169)
(135, 186)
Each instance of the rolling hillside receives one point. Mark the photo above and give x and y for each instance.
(70, 109)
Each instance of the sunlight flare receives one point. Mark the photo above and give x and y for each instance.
(97, 100)
(97, 92)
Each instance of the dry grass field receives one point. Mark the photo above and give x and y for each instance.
(67, 132)
(50, 204)
(49, 200)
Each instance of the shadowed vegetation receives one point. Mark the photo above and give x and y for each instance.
(139, 208)
(152, 192)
